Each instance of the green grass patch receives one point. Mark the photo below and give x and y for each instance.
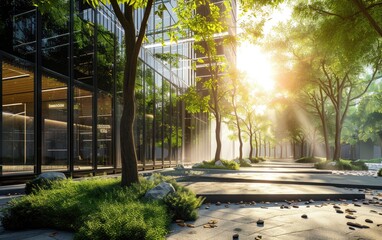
(101, 209)
(257, 159)
(243, 163)
(230, 165)
(309, 160)
(374, 160)
(342, 165)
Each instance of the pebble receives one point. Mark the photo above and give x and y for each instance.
(337, 207)
(218, 203)
(350, 217)
(368, 220)
(181, 224)
(235, 236)
(260, 222)
(258, 237)
(295, 206)
(190, 225)
(304, 216)
(357, 205)
(351, 228)
(339, 211)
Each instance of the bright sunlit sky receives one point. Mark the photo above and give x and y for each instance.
(257, 64)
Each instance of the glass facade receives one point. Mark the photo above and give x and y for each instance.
(61, 90)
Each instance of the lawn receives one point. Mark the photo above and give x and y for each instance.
(101, 209)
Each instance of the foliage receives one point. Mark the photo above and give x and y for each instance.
(257, 159)
(38, 184)
(374, 160)
(379, 173)
(231, 165)
(341, 165)
(100, 209)
(309, 160)
(243, 163)
(183, 204)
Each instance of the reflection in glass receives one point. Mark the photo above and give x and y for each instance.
(18, 117)
(104, 130)
(140, 114)
(54, 128)
(149, 115)
(158, 119)
(82, 119)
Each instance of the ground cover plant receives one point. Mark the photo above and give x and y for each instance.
(230, 165)
(342, 165)
(257, 159)
(379, 173)
(309, 160)
(101, 209)
(374, 160)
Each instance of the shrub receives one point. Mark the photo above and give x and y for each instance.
(232, 165)
(243, 163)
(183, 204)
(257, 160)
(309, 160)
(379, 173)
(100, 209)
(341, 165)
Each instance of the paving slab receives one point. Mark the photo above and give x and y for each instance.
(236, 192)
(292, 178)
(322, 222)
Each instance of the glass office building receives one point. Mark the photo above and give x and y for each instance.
(61, 87)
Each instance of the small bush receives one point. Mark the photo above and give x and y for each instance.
(341, 165)
(101, 209)
(379, 173)
(257, 160)
(231, 165)
(309, 160)
(243, 163)
(183, 204)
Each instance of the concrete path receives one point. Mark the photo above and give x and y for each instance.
(323, 222)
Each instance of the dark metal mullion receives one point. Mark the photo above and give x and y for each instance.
(162, 128)
(1, 111)
(144, 115)
(154, 122)
(70, 129)
(95, 94)
(114, 105)
(37, 97)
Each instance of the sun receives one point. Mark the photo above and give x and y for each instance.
(256, 66)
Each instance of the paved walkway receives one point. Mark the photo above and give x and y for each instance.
(301, 186)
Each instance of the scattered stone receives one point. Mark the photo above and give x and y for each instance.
(337, 207)
(369, 220)
(260, 222)
(350, 217)
(351, 228)
(295, 206)
(160, 191)
(311, 201)
(213, 221)
(365, 203)
(218, 203)
(339, 211)
(379, 225)
(179, 221)
(227, 206)
(308, 206)
(206, 226)
(264, 207)
(190, 225)
(267, 203)
(352, 224)
(373, 211)
(258, 237)
(182, 224)
(357, 205)
(304, 216)
(235, 236)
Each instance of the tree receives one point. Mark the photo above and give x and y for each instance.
(132, 45)
(206, 22)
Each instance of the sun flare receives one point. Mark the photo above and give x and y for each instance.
(256, 66)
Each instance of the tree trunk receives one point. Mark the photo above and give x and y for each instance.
(294, 149)
(257, 146)
(217, 137)
(302, 148)
(128, 153)
(281, 150)
(250, 146)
